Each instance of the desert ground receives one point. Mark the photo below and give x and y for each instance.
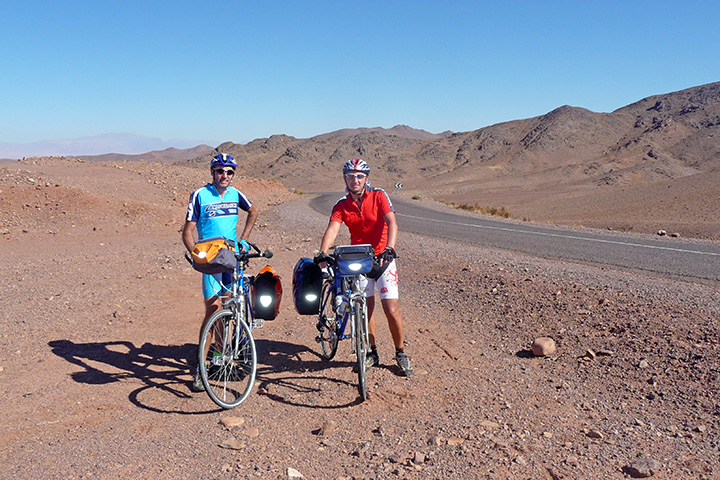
(101, 315)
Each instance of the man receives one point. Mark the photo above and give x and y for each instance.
(213, 211)
(370, 217)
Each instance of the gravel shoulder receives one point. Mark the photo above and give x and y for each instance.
(101, 315)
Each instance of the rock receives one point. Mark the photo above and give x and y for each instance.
(662, 233)
(590, 354)
(231, 422)
(543, 346)
(252, 432)
(643, 364)
(675, 234)
(232, 444)
(452, 441)
(594, 434)
(434, 441)
(328, 427)
(643, 468)
(418, 458)
(292, 473)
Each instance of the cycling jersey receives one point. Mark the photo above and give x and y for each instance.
(367, 222)
(215, 216)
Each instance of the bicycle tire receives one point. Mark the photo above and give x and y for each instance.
(328, 323)
(361, 345)
(228, 371)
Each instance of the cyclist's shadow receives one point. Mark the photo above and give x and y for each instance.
(157, 366)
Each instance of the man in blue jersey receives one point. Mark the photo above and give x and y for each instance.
(213, 211)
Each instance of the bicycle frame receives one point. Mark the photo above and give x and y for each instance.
(348, 288)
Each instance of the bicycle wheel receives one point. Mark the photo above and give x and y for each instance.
(361, 344)
(228, 370)
(327, 323)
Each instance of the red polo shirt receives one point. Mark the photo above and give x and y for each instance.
(366, 223)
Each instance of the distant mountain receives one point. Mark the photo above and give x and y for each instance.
(663, 149)
(169, 155)
(124, 143)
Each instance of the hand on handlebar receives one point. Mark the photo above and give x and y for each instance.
(321, 259)
(244, 246)
(387, 255)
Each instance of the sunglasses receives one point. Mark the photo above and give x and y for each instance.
(355, 176)
(227, 171)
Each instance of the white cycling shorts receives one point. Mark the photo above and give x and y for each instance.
(387, 284)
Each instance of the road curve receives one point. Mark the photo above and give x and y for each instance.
(675, 257)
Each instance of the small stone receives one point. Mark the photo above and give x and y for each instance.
(543, 346)
(231, 422)
(520, 460)
(394, 458)
(292, 473)
(643, 468)
(252, 432)
(434, 441)
(328, 427)
(419, 458)
(452, 441)
(643, 364)
(594, 434)
(662, 233)
(232, 444)
(590, 354)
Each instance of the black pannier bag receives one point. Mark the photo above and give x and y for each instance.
(307, 286)
(266, 294)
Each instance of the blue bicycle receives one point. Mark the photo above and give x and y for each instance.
(343, 302)
(227, 358)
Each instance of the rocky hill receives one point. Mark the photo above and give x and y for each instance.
(663, 152)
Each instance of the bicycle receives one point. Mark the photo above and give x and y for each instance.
(343, 302)
(227, 357)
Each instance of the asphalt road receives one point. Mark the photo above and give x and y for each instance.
(675, 257)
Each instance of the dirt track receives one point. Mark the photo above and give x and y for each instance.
(101, 313)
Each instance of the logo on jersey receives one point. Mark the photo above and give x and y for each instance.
(221, 209)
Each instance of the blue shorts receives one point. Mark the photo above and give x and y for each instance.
(216, 284)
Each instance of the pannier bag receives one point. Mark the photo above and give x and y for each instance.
(214, 255)
(266, 294)
(307, 286)
(354, 259)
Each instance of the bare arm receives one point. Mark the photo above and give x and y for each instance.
(187, 235)
(330, 235)
(252, 215)
(392, 229)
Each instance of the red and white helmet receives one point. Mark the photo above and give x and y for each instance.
(356, 165)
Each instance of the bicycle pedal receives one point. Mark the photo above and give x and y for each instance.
(258, 323)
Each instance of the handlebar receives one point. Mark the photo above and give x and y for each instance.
(242, 255)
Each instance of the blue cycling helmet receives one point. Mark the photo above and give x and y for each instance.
(356, 165)
(223, 160)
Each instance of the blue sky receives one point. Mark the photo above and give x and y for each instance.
(214, 71)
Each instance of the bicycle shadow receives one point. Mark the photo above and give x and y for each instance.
(281, 367)
(157, 366)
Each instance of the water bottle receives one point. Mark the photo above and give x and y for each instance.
(341, 305)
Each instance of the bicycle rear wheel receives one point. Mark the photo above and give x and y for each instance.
(361, 344)
(228, 371)
(327, 323)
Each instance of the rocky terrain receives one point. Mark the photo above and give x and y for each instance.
(651, 165)
(101, 313)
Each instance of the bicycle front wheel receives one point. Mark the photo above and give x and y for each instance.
(361, 344)
(229, 367)
(328, 322)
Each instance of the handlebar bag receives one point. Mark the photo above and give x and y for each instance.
(307, 286)
(266, 294)
(354, 259)
(213, 255)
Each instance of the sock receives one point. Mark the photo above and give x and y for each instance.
(399, 350)
(373, 348)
